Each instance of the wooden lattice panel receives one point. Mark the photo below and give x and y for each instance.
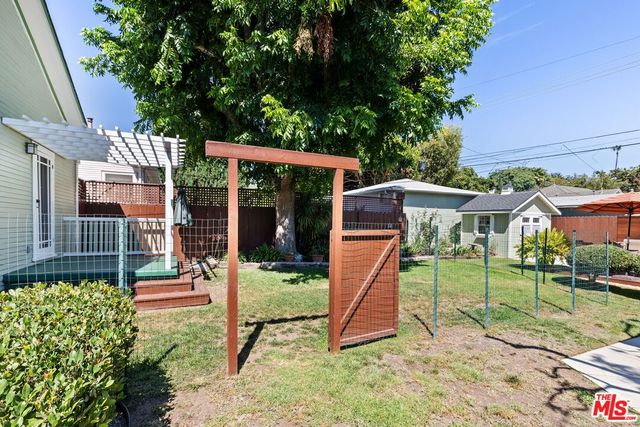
(369, 286)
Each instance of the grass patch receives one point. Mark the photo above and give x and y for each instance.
(289, 376)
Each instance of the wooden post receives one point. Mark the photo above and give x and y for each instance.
(232, 270)
(335, 262)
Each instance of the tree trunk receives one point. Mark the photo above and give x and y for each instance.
(285, 216)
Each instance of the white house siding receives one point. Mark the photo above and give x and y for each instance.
(25, 89)
(16, 200)
(95, 171)
(442, 205)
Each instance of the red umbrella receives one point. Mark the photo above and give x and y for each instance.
(625, 203)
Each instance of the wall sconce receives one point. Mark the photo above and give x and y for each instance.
(31, 148)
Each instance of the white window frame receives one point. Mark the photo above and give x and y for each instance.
(133, 176)
(531, 216)
(39, 254)
(476, 223)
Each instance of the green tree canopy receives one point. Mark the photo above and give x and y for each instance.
(521, 178)
(437, 157)
(329, 76)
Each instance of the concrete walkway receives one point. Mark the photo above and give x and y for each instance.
(615, 368)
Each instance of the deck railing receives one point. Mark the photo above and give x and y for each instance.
(84, 236)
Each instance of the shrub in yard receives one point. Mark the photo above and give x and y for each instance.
(558, 246)
(265, 253)
(63, 352)
(591, 260)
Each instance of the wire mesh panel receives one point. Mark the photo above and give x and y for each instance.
(590, 268)
(461, 276)
(370, 285)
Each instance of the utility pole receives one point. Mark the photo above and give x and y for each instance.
(617, 149)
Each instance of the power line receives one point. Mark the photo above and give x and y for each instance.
(562, 85)
(532, 147)
(555, 61)
(551, 155)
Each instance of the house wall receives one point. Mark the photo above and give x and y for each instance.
(498, 242)
(95, 171)
(16, 195)
(27, 88)
(534, 207)
(417, 205)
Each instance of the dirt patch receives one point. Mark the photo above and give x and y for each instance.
(521, 379)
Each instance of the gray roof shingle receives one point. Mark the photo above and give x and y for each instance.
(496, 202)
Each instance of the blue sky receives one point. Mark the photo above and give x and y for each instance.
(590, 94)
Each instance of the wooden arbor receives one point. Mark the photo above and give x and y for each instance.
(235, 152)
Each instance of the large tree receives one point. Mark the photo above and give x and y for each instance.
(521, 178)
(349, 77)
(438, 156)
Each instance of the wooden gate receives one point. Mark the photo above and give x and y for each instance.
(369, 285)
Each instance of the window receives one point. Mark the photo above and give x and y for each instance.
(118, 177)
(483, 225)
(531, 224)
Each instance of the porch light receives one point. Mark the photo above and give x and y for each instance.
(31, 148)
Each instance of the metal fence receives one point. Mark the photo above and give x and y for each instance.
(489, 278)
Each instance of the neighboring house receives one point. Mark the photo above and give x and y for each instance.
(109, 172)
(422, 200)
(569, 191)
(503, 217)
(568, 204)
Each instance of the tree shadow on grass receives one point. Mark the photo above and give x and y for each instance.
(302, 275)
(149, 391)
(259, 325)
(632, 327)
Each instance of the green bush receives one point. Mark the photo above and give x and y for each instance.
(63, 352)
(265, 253)
(558, 247)
(591, 260)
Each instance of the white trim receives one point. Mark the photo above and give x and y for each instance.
(544, 199)
(476, 221)
(37, 253)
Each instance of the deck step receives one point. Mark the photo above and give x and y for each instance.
(197, 296)
(149, 287)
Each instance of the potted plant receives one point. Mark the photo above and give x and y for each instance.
(317, 252)
(289, 257)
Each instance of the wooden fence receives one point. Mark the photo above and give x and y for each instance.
(592, 228)
(209, 207)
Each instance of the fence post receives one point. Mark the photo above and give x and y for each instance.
(544, 257)
(573, 272)
(536, 270)
(522, 250)
(435, 284)
(486, 279)
(122, 254)
(606, 251)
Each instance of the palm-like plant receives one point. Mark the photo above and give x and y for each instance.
(558, 246)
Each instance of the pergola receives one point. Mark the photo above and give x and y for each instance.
(112, 146)
(235, 152)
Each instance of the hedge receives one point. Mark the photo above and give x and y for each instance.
(63, 352)
(592, 259)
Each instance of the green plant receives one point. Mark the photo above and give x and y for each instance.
(265, 253)
(558, 246)
(63, 352)
(591, 260)
(241, 257)
(424, 232)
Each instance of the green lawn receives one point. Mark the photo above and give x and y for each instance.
(510, 374)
